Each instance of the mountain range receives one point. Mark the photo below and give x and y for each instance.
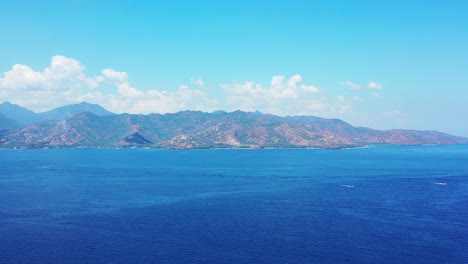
(26, 117)
(90, 125)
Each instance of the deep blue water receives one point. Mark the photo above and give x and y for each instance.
(368, 205)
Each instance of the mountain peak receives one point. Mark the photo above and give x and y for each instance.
(84, 103)
(15, 112)
(68, 111)
(10, 104)
(27, 117)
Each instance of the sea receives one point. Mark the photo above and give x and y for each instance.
(378, 204)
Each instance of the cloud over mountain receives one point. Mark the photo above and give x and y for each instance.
(65, 81)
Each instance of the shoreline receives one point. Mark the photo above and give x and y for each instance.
(235, 148)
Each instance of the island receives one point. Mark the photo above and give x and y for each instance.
(90, 125)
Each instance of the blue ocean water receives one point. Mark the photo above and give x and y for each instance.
(368, 205)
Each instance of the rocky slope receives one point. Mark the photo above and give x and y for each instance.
(190, 129)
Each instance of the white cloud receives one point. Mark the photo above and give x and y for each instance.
(277, 80)
(342, 105)
(249, 93)
(64, 73)
(114, 76)
(351, 85)
(285, 97)
(61, 83)
(293, 80)
(199, 82)
(64, 82)
(310, 89)
(374, 85)
(355, 86)
(154, 101)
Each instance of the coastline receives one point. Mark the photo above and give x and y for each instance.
(232, 148)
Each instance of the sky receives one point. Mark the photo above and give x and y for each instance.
(380, 64)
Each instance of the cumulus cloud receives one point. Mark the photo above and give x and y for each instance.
(154, 101)
(114, 76)
(251, 95)
(284, 97)
(355, 86)
(64, 73)
(374, 85)
(199, 82)
(64, 81)
(351, 85)
(310, 88)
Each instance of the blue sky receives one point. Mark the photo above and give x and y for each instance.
(381, 64)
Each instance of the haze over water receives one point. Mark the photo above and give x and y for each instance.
(367, 205)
